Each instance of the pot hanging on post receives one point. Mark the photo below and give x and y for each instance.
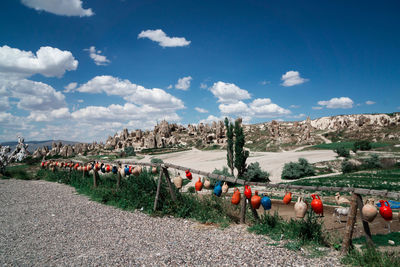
(255, 200)
(225, 188)
(207, 183)
(247, 191)
(316, 204)
(198, 185)
(235, 197)
(266, 202)
(178, 181)
(369, 211)
(385, 211)
(218, 189)
(300, 208)
(188, 174)
(154, 170)
(288, 198)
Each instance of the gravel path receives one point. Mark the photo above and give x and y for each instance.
(44, 223)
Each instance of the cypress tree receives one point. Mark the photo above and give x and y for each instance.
(241, 155)
(229, 147)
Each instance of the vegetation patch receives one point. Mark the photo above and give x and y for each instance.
(371, 257)
(348, 145)
(296, 170)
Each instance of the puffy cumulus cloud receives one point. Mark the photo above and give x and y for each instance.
(317, 108)
(183, 83)
(10, 124)
(131, 92)
(294, 106)
(162, 39)
(228, 92)
(48, 61)
(234, 108)
(264, 108)
(97, 57)
(210, 119)
(70, 87)
(4, 104)
(203, 85)
(292, 78)
(369, 102)
(341, 102)
(61, 113)
(201, 110)
(31, 95)
(60, 7)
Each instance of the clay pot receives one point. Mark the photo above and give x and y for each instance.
(188, 174)
(369, 211)
(198, 185)
(385, 211)
(154, 170)
(287, 198)
(97, 167)
(316, 204)
(178, 182)
(207, 183)
(136, 171)
(255, 200)
(225, 188)
(235, 197)
(90, 167)
(114, 170)
(300, 208)
(218, 189)
(42, 164)
(126, 169)
(266, 202)
(122, 172)
(247, 191)
(79, 169)
(108, 168)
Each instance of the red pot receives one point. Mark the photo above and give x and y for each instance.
(288, 198)
(198, 185)
(247, 191)
(235, 197)
(255, 200)
(316, 204)
(385, 211)
(42, 165)
(188, 174)
(108, 168)
(76, 166)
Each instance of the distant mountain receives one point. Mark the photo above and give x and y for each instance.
(33, 145)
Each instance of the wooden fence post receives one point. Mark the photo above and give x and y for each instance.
(243, 210)
(367, 231)
(171, 189)
(351, 220)
(254, 211)
(95, 177)
(158, 190)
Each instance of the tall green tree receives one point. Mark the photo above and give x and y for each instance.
(229, 147)
(241, 155)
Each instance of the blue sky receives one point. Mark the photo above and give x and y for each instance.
(82, 70)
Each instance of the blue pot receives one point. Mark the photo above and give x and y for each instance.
(114, 169)
(266, 203)
(126, 170)
(218, 189)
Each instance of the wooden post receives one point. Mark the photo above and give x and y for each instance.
(351, 220)
(95, 177)
(158, 190)
(243, 210)
(254, 211)
(119, 176)
(171, 189)
(367, 231)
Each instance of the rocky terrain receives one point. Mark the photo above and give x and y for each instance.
(268, 136)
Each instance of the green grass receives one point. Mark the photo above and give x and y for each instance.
(371, 258)
(347, 145)
(18, 172)
(381, 240)
(379, 180)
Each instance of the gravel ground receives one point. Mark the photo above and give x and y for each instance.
(44, 223)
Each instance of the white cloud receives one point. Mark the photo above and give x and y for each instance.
(298, 116)
(234, 108)
(264, 108)
(169, 86)
(162, 39)
(61, 113)
(97, 57)
(317, 108)
(294, 106)
(341, 102)
(292, 78)
(4, 104)
(210, 119)
(183, 83)
(70, 87)
(369, 102)
(228, 92)
(60, 7)
(32, 95)
(48, 61)
(131, 92)
(80, 101)
(265, 82)
(201, 110)
(203, 85)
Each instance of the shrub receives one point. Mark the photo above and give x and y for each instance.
(156, 161)
(293, 170)
(255, 174)
(129, 151)
(361, 145)
(348, 167)
(373, 162)
(342, 152)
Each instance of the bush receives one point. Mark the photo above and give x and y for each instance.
(373, 162)
(348, 167)
(361, 145)
(156, 161)
(255, 174)
(293, 170)
(342, 152)
(129, 151)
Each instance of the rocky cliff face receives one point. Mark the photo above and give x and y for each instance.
(267, 136)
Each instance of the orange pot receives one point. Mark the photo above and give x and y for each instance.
(247, 191)
(288, 198)
(316, 204)
(255, 200)
(235, 197)
(198, 185)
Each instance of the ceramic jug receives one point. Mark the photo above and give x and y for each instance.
(255, 200)
(300, 208)
(235, 197)
(188, 174)
(266, 202)
(369, 211)
(207, 183)
(114, 169)
(225, 188)
(288, 198)
(154, 170)
(178, 182)
(218, 189)
(198, 185)
(247, 191)
(385, 211)
(316, 204)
